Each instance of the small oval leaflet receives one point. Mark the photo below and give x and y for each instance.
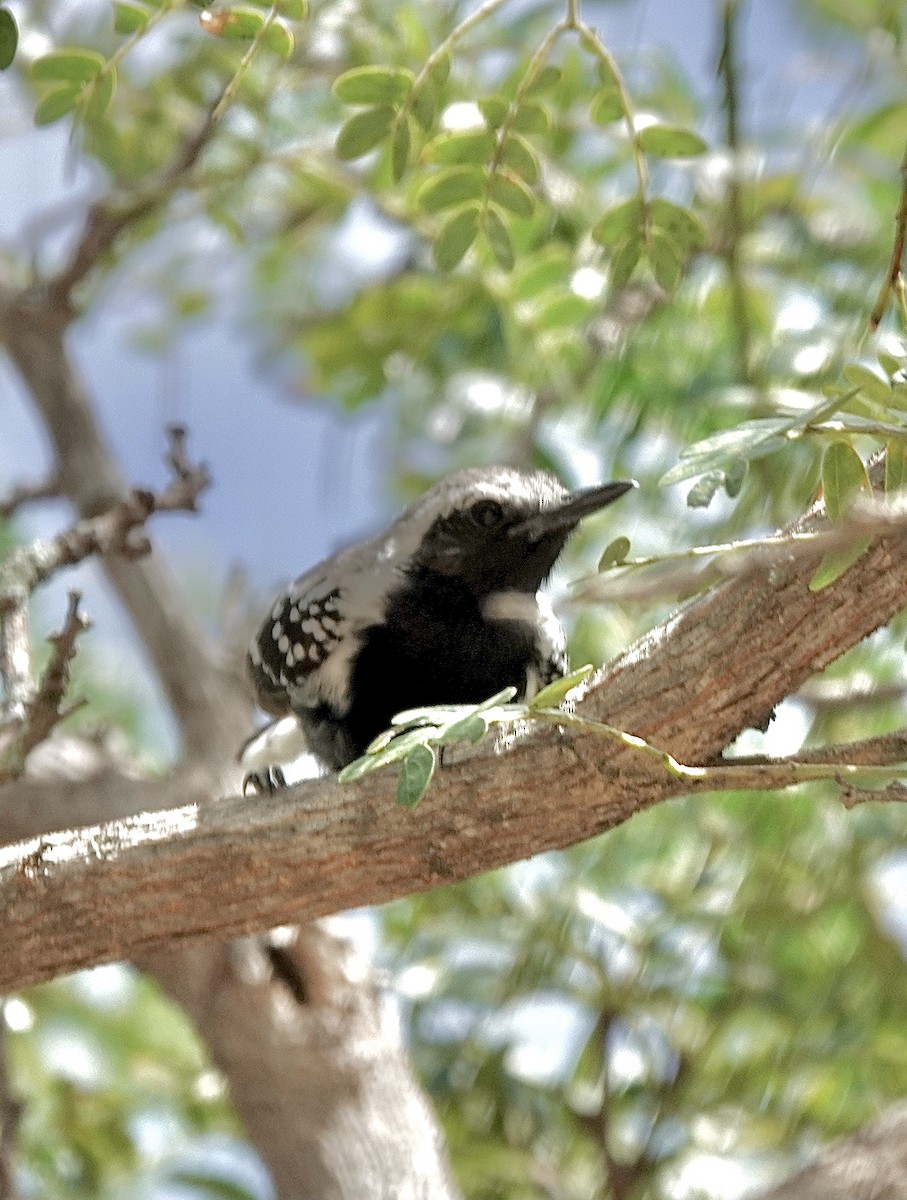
(551, 695)
(415, 775)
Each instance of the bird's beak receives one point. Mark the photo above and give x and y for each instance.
(567, 514)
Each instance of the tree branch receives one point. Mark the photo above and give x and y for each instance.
(26, 493)
(718, 667)
(20, 734)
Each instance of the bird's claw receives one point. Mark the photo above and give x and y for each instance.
(264, 782)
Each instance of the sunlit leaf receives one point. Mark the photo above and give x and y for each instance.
(57, 103)
(670, 141)
(551, 695)
(843, 478)
(531, 117)
(457, 234)
(373, 85)
(469, 146)
(521, 158)
(364, 131)
(511, 193)
(606, 106)
(129, 18)
(450, 187)
(614, 553)
(77, 65)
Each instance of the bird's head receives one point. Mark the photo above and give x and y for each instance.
(497, 529)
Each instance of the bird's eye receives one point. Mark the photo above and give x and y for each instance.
(486, 514)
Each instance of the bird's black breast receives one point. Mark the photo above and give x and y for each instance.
(434, 646)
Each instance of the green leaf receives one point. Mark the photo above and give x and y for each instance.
(415, 775)
(504, 696)
(614, 553)
(563, 311)
(895, 467)
(279, 40)
(470, 146)
(677, 223)
(100, 94)
(364, 131)
(521, 158)
(543, 81)
(843, 478)
(400, 147)
(494, 109)
(450, 187)
(618, 222)
(606, 106)
(293, 10)
(9, 38)
(540, 274)
(553, 693)
(891, 364)
(868, 383)
(751, 439)
(424, 108)
(665, 261)
(511, 193)
(734, 475)
(240, 24)
(129, 18)
(457, 234)
(671, 141)
(499, 239)
(373, 85)
(531, 117)
(468, 729)
(836, 562)
(623, 261)
(439, 71)
(702, 493)
(67, 66)
(57, 103)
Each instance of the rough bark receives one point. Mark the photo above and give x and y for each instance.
(241, 864)
(869, 1165)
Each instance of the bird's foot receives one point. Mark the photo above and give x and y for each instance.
(265, 781)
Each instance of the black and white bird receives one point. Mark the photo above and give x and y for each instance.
(443, 607)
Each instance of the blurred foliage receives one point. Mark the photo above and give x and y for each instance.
(522, 248)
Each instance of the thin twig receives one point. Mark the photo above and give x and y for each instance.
(727, 69)
(118, 530)
(25, 493)
(893, 279)
(45, 710)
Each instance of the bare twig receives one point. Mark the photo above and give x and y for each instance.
(118, 530)
(106, 220)
(24, 730)
(25, 493)
(893, 273)
(727, 69)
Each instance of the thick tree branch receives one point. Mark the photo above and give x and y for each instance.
(871, 1164)
(719, 666)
